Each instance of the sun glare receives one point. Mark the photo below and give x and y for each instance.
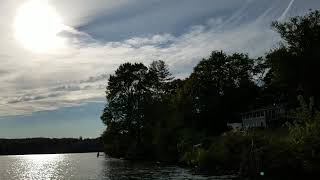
(37, 25)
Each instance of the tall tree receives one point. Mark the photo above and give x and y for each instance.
(137, 105)
(219, 88)
(295, 64)
(127, 91)
(159, 77)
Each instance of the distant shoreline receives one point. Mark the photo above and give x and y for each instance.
(30, 146)
(50, 154)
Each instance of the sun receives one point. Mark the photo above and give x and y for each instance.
(37, 25)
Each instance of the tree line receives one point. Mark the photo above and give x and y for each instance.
(149, 114)
(49, 146)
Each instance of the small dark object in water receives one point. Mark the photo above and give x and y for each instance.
(98, 154)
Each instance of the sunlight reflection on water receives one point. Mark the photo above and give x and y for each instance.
(50, 166)
(38, 166)
(85, 166)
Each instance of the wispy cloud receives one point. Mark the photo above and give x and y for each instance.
(78, 72)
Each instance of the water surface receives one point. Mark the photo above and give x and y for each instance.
(87, 166)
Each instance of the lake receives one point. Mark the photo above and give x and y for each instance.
(87, 166)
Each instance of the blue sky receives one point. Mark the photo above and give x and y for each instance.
(56, 55)
(76, 121)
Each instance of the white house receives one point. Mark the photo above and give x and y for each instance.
(264, 117)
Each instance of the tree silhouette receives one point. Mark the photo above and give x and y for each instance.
(295, 64)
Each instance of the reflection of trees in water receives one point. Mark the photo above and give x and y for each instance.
(122, 169)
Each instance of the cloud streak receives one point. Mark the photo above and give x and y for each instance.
(283, 16)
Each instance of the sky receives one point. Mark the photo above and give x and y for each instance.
(56, 55)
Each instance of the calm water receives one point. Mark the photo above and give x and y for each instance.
(86, 166)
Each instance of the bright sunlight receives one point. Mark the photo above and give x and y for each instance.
(37, 25)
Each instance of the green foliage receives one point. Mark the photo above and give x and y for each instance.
(147, 109)
(217, 90)
(127, 93)
(301, 33)
(151, 115)
(305, 136)
(136, 102)
(294, 65)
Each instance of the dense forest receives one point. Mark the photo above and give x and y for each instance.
(49, 146)
(152, 115)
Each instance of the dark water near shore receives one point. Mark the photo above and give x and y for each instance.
(87, 166)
